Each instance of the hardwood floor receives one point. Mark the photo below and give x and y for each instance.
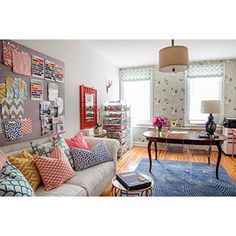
(130, 161)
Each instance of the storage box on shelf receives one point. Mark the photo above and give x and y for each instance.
(116, 121)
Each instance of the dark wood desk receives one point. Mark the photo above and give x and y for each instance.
(191, 137)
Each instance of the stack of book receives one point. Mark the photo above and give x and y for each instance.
(133, 180)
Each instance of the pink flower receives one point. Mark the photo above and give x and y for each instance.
(159, 121)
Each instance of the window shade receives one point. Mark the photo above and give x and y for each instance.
(214, 70)
(136, 74)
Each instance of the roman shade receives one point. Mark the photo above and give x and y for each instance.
(206, 71)
(136, 74)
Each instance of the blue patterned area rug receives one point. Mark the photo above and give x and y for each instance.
(174, 178)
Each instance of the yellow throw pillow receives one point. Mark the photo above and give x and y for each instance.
(25, 164)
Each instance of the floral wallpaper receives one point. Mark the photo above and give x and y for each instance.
(169, 94)
(230, 88)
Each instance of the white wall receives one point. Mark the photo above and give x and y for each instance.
(83, 65)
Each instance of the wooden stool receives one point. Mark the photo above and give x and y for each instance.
(234, 135)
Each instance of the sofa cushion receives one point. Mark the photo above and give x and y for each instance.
(46, 149)
(41, 149)
(3, 159)
(92, 177)
(13, 182)
(84, 159)
(65, 190)
(24, 163)
(62, 143)
(77, 141)
(54, 170)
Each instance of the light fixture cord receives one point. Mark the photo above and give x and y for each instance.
(173, 44)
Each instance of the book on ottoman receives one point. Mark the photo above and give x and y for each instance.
(133, 180)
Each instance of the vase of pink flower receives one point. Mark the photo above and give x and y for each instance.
(158, 123)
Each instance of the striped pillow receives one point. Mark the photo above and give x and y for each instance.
(55, 169)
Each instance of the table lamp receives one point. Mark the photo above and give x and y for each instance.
(210, 106)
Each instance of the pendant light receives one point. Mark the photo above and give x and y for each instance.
(173, 59)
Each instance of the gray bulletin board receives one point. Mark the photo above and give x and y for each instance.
(31, 108)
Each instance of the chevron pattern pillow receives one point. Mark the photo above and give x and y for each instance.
(13, 182)
(54, 170)
(84, 159)
(24, 163)
(12, 130)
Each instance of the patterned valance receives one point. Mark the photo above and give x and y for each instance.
(136, 74)
(198, 71)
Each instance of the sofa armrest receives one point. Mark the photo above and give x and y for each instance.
(112, 144)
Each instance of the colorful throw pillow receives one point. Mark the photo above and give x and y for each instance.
(84, 159)
(54, 170)
(12, 130)
(77, 141)
(61, 142)
(3, 159)
(24, 163)
(47, 149)
(13, 182)
(41, 149)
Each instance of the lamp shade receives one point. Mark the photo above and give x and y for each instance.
(211, 106)
(173, 59)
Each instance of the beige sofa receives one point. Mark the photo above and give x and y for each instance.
(89, 182)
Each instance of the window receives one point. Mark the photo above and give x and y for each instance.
(136, 92)
(203, 83)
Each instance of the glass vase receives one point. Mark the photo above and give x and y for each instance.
(159, 130)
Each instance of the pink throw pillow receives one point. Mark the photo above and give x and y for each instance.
(77, 141)
(55, 169)
(3, 159)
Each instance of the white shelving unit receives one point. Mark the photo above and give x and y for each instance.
(116, 122)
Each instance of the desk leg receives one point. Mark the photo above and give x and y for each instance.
(155, 144)
(218, 160)
(209, 155)
(150, 155)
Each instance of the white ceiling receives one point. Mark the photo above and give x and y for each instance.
(126, 53)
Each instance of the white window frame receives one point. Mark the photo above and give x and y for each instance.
(144, 122)
(187, 104)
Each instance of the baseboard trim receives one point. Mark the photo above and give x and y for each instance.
(140, 144)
